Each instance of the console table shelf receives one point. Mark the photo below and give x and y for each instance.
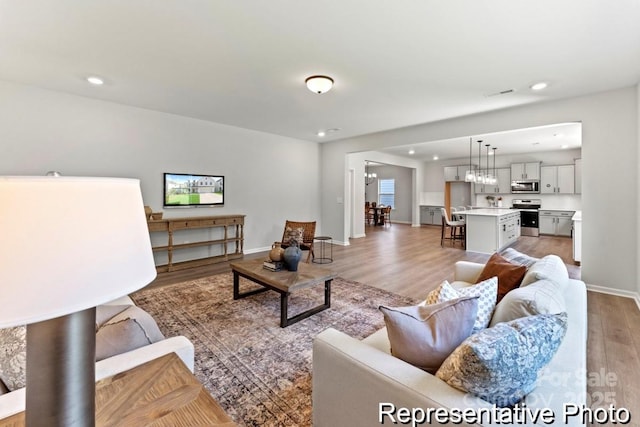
(231, 244)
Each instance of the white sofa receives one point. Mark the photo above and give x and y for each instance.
(352, 377)
(14, 402)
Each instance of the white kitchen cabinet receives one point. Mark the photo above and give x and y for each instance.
(503, 186)
(578, 176)
(557, 179)
(455, 173)
(525, 171)
(556, 223)
(430, 215)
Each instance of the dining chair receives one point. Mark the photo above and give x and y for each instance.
(386, 215)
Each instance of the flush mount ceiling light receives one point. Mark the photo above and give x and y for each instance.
(412, 152)
(321, 133)
(319, 84)
(95, 80)
(539, 86)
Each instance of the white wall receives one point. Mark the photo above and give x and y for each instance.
(268, 178)
(609, 159)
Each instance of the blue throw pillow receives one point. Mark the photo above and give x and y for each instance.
(501, 364)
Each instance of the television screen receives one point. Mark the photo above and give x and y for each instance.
(186, 190)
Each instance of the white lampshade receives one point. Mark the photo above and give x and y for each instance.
(319, 84)
(69, 244)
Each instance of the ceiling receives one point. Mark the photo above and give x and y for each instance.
(395, 64)
(561, 136)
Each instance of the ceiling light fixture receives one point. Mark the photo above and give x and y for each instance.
(368, 177)
(321, 133)
(319, 84)
(539, 86)
(412, 152)
(470, 176)
(94, 80)
(436, 157)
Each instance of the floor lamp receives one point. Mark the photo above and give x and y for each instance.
(68, 245)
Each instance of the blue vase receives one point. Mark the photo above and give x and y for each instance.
(292, 257)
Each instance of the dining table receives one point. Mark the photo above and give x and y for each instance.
(378, 214)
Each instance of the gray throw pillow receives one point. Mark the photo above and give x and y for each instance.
(501, 364)
(425, 335)
(130, 329)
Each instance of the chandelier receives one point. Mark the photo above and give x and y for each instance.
(368, 177)
(480, 176)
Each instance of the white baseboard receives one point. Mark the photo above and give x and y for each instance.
(617, 292)
(256, 250)
(359, 236)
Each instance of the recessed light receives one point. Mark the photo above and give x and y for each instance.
(412, 151)
(321, 133)
(95, 80)
(436, 157)
(538, 86)
(564, 146)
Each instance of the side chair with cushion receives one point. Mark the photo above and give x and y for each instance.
(303, 233)
(386, 215)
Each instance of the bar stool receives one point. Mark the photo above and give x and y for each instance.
(457, 229)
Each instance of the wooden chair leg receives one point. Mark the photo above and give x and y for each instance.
(442, 235)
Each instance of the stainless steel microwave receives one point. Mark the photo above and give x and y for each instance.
(525, 187)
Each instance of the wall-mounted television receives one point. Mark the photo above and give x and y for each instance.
(189, 190)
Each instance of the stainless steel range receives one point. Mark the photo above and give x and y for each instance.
(529, 218)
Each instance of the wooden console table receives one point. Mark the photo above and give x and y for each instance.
(161, 392)
(233, 236)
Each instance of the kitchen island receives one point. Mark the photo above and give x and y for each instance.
(491, 230)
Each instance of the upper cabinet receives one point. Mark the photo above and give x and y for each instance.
(503, 186)
(578, 175)
(455, 173)
(557, 179)
(525, 171)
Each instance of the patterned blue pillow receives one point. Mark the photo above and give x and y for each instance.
(501, 364)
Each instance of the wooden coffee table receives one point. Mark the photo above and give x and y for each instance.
(284, 282)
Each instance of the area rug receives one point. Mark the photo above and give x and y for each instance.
(259, 372)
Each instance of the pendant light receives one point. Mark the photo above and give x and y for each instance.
(488, 178)
(470, 176)
(479, 175)
(495, 175)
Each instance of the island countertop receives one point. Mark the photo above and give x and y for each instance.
(487, 212)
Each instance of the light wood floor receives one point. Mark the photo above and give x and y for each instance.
(409, 261)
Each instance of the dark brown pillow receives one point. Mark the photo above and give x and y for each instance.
(509, 275)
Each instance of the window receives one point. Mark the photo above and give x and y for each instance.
(387, 192)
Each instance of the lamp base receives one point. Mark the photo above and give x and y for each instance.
(61, 371)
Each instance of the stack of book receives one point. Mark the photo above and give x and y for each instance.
(273, 265)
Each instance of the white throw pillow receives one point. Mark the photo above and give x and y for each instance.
(487, 291)
(551, 268)
(541, 297)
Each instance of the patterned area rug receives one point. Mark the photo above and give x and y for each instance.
(260, 373)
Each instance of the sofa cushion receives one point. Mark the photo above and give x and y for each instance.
(13, 357)
(540, 297)
(550, 267)
(128, 330)
(425, 335)
(487, 292)
(501, 364)
(516, 257)
(509, 275)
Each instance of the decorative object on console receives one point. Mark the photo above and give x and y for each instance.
(292, 256)
(79, 265)
(501, 364)
(425, 335)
